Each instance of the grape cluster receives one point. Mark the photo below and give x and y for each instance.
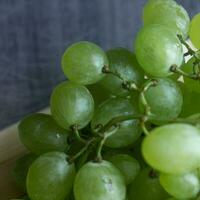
(125, 126)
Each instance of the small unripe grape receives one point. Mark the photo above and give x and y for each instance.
(71, 104)
(83, 61)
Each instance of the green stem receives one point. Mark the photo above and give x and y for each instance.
(190, 50)
(143, 125)
(101, 144)
(147, 109)
(127, 85)
(72, 159)
(77, 134)
(116, 120)
(177, 70)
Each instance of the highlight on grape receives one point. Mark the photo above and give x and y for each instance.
(124, 125)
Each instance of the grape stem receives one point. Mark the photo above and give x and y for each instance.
(175, 69)
(77, 134)
(117, 120)
(88, 143)
(102, 142)
(127, 85)
(190, 50)
(147, 109)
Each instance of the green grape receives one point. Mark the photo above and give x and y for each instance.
(127, 165)
(195, 118)
(137, 153)
(50, 177)
(40, 134)
(173, 148)
(193, 85)
(165, 100)
(83, 61)
(167, 13)
(194, 31)
(99, 181)
(71, 104)
(128, 131)
(190, 101)
(124, 63)
(157, 49)
(99, 93)
(21, 169)
(146, 186)
(181, 186)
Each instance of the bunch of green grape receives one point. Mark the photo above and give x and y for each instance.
(125, 125)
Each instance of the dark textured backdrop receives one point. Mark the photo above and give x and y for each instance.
(34, 33)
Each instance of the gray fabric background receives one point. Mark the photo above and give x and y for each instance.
(34, 33)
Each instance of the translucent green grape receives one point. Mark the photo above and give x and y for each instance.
(71, 104)
(124, 63)
(128, 131)
(173, 148)
(127, 165)
(50, 177)
(194, 31)
(167, 13)
(165, 100)
(21, 169)
(98, 181)
(181, 186)
(193, 85)
(40, 134)
(157, 49)
(146, 186)
(83, 61)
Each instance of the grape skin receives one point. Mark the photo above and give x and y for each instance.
(189, 108)
(173, 148)
(124, 63)
(129, 130)
(157, 56)
(165, 100)
(145, 187)
(99, 181)
(167, 13)
(71, 104)
(181, 186)
(128, 166)
(83, 61)
(50, 177)
(195, 31)
(40, 134)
